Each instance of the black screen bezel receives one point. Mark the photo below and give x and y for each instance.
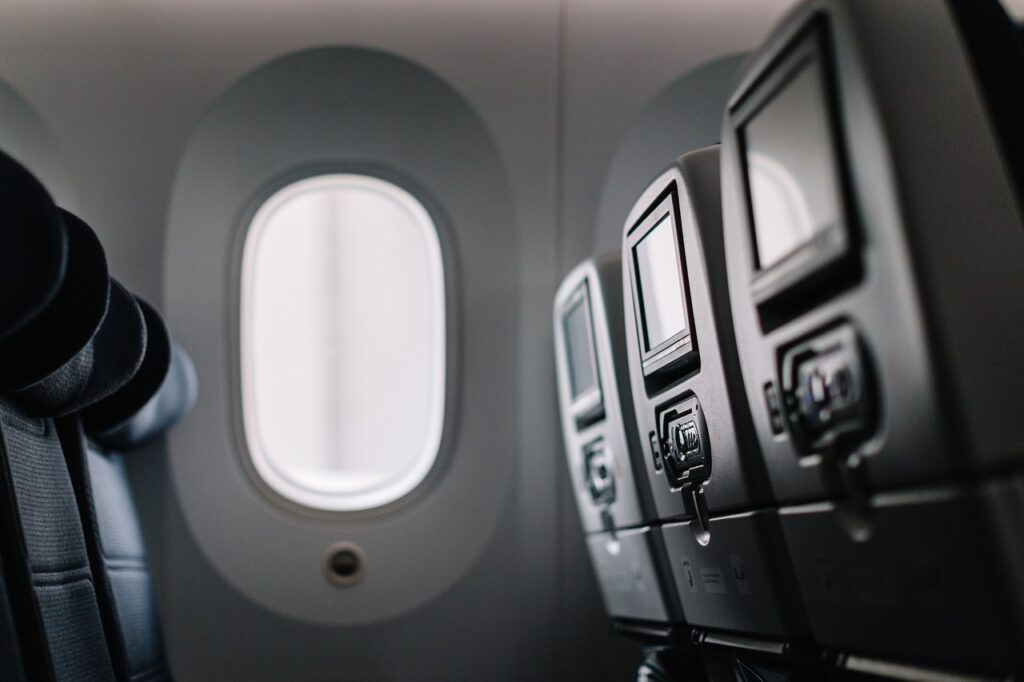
(836, 242)
(680, 348)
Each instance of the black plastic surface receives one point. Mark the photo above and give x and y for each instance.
(927, 582)
(631, 577)
(898, 377)
(741, 580)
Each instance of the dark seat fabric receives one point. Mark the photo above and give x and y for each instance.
(114, 538)
(76, 582)
(11, 668)
(56, 341)
(166, 407)
(124, 568)
(49, 580)
(82, 347)
(158, 395)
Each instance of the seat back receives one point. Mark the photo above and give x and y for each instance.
(159, 394)
(49, 581)
(85, 343)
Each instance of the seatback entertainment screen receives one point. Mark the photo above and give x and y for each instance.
(661, 290)
(791, 167)
(579, 341)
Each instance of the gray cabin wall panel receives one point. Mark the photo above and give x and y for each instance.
(123, 85)
(686, 115)
(619, 60)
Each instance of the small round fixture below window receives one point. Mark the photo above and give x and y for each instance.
(342, 335)
(344, 564)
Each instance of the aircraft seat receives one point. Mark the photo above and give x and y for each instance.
(76, 600)
(74, 351)
(158, 395)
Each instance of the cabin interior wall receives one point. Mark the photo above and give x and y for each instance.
(567, 92)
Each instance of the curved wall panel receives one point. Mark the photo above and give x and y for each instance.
(25, 136)
(686, 115)
(357, 109)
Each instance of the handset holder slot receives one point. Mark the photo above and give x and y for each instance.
(827, 392)
(685, 445)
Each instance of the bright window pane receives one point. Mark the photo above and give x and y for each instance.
(342, 342)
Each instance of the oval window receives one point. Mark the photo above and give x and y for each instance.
(342, 314)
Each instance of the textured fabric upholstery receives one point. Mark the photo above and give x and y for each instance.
(11, 667)
(81, 347)
(46, 563)
(112, 529)
(172, 401)
(118, 557)
(56, 335)
(106, 363)
(80, 594)
(125, 403)
(119, 562)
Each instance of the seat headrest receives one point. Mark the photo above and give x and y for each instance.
(84, 345)
(130, 398)
(106, 363)
(169, 405)
(64, 327)
(33, 247)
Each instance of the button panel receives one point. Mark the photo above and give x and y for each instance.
(655, 450)
(771, 401)
(599, 472)
(685, 449)
(826, 390)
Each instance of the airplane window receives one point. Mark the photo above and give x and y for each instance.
(342, 315)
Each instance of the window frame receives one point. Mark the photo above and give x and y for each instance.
(450, 379)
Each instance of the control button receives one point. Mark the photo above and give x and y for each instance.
(686, 454)
(686, 441)
(815, 403)
(655, 450)
(817, 387)
(771, 399)
(675, 453)
(679, 441)
(840, 387)
(826, 390)
(599, 473)
(691, 437)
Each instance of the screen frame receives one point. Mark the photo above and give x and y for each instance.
(835, 242)
(588, 405)
(680, 348)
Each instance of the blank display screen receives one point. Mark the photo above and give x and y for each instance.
(661, 293)
(791, 168)
(580, 349)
